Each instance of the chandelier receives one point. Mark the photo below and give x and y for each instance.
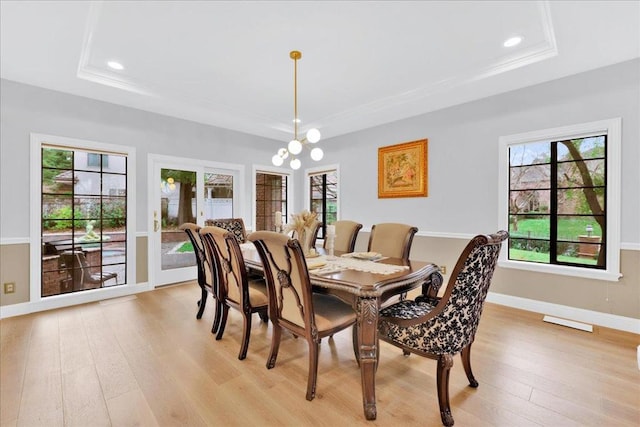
(295, 145)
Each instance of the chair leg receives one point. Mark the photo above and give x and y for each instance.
(465, 355)
(313, 369)
(223, 321)
(246, 334)
(264, 316)
(275, 345)
(202, 303)
(445, 362)
(216, 317)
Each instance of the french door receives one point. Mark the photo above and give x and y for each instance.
(184, 190)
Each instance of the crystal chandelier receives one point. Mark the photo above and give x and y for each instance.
(295, 145)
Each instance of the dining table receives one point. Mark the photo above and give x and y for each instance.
(366, 284)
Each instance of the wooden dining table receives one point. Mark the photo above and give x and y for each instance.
(366, 292)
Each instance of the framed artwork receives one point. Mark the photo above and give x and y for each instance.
(402, 170)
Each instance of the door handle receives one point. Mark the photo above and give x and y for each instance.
(155, 225)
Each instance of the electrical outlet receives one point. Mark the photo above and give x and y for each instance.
(443, 269)
(9, 287)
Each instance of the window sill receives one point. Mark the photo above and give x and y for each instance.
(608, 275)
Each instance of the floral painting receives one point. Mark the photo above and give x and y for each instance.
(402, 170)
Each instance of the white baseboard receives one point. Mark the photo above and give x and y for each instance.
(612, 321)
(67, 300)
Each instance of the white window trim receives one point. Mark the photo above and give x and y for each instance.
(35, 278)
(273, 170)
(613, 129)
(308, 173)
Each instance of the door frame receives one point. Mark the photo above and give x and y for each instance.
(155, 163)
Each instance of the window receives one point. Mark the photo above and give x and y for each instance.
(93, 159)
(83, 220)
(323, 197)
(561, 199)
(271, 196)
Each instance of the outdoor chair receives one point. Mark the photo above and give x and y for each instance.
(292, 304)
(83, 277)
(442, 328)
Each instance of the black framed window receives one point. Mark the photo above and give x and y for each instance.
(557, 202)
(323, 193)
(83, 220)
(271, 197)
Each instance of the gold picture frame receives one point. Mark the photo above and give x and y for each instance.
(402, 170)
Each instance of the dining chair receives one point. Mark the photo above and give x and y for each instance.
(292, 304)
(310, 237)
(235, 289)
(440, 330)
(392, 239)
(346, 235)
(234, 225)
(81, 271)
(205, 273)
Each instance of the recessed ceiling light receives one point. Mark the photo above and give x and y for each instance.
(115, 65)
(513, 41)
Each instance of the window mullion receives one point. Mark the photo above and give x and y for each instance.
(553, 208)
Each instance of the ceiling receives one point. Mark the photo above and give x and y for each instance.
(363, 63)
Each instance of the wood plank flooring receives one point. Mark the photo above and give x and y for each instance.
(147, 361)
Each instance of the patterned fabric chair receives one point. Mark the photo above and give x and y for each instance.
(346, 235)
(235, 289)
(292, 304)
(234, 225)
(442, 329)
(205, 273)
(392, 239)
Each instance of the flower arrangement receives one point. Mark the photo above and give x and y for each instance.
(300, 221)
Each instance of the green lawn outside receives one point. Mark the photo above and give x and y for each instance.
(568, 229)
(522, 255)
(185, 247)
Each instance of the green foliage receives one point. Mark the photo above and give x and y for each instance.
(59, 219)
(54, 158)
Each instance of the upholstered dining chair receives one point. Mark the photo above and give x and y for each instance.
(311, 235)
(346, 235)
(441, 329)
(234, 225)
(392, 239)
(205, 274)
(235, 290)
(292, 304)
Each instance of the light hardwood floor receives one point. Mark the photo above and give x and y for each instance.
(146, 361)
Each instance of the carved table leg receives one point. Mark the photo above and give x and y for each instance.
(367, 309)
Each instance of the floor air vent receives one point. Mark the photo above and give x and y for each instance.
(568, 323)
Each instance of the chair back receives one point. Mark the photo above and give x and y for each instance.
(455, 326)
(288, 284)
(392, 239)
(311, 235)
(346, 235)
(203, 262)
(234, 225)
(232, 273)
